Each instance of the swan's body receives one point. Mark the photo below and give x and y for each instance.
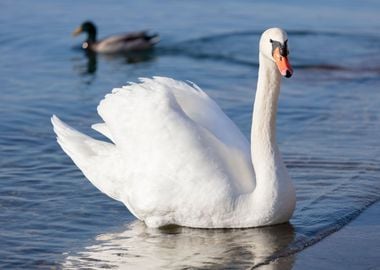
(176, 158)
(121, 43)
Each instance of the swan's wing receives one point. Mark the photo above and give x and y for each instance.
(203, 110)
(165, 126)
(196, 105)
(99, 161)
(103, 129)
(166, 159)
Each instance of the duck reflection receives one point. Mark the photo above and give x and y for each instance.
(89, 64)
(92, 62)
(139, 247)
(132, 57)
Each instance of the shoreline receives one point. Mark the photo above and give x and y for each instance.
(355, 246)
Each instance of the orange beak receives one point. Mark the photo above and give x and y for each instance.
(282, 63)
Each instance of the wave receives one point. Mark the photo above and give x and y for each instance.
(296, 33)
(240, 48)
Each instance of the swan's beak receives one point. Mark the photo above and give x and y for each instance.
(77, 31)
(283, 64)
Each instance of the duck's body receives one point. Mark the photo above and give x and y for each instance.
(121, 43)
(176, 158)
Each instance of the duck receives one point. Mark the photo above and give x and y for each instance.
(122, 43)
(173, 157)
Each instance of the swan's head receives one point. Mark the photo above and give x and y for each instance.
(274, 46)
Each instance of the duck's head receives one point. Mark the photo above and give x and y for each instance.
(274, 46)
(89, 28)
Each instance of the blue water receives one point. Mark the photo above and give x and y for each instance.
(328, 125)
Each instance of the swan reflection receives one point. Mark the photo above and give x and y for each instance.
(139, 247)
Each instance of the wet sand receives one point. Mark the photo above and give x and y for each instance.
(356, 246)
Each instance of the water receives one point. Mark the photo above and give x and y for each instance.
(328, 125)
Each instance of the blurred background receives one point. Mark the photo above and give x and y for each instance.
(328, 123)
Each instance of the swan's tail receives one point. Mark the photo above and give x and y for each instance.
(72, 141)
(90, 155)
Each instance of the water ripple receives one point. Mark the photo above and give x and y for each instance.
(52, 217)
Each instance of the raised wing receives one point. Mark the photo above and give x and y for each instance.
(162, 114)
(172, 147)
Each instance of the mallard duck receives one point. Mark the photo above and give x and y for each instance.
(122, 43)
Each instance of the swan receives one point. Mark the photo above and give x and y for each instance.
(174, 157)
(122, 43)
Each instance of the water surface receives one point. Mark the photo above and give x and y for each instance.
(328, 125)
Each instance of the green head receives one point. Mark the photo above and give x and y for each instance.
(89, 28)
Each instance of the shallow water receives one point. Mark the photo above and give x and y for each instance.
(328, 125)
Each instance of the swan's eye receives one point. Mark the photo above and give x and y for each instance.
(283, 47)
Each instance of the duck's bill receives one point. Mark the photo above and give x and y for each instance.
(77, 31)
(283, 64)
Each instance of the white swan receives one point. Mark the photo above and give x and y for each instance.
(176, 158)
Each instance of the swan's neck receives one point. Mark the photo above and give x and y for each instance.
(263, 132)
(273, 199)
(264, 150)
